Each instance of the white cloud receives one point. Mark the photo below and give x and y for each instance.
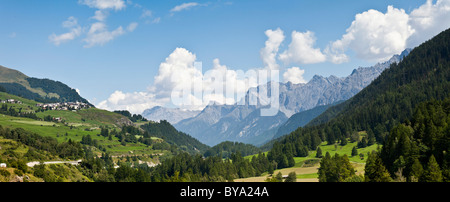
(294, 75)
(184, 6)
(181, 70)
(132, 26)
(301, 50)
(373, 36)
(270, 51)
(75, 31)
(100, 15)
(429, 20)
(104, 4)
(99, 35)
(178, 68)
(134, 102)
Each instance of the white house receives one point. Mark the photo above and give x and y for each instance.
(2, 165)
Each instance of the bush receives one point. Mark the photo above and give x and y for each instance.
(5, 173)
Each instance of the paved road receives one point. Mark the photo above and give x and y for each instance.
(33, 163)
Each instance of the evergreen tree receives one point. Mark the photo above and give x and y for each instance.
(291, 161)
(292, 177)
(319, 153)
(432, 172)
(416, 171)
(279, 177)
(335, 169)
(354, 151)
(375, 171)
(344, 141)
(325, 167)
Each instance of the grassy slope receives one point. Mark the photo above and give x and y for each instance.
(84, 122)
(11, 149)
(8, 75)
(308, 173)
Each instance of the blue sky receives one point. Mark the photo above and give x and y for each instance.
(102, 47)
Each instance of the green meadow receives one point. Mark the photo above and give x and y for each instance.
(306, 167)
(63, 132)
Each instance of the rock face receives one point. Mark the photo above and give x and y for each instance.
(171, 115)
(244, 123)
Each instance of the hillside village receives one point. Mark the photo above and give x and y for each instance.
(53, 106)
(63, 106)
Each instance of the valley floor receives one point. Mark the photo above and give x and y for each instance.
(307, 172)
(304, 174)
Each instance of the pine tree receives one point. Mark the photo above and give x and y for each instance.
(346, 170)
(319, 153)
(291, 161)
(375, 171)
(416, 171)
(354, 151)
(292, 177)
(432, 173)
(325, 166)
(279, 177)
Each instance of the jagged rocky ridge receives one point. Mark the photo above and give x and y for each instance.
(243, 123)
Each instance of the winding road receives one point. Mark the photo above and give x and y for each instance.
(33, 163)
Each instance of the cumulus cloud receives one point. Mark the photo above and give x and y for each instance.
(104, 4)
(294, 75)
(270, 51)
(134, 102)
(429, 20)
(301, 50)
(181, 82)
(75, 30)
(178, 69)
(376, 36)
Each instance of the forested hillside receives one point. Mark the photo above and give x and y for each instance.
(171, 135)
(391, 98)
(41, 90)
(418, 149)
(378, 109)
(226, 149)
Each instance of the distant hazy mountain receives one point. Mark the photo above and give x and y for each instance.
(243, 123)
(172, 115)
(41, 90)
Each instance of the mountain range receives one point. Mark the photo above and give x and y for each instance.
(244, 123)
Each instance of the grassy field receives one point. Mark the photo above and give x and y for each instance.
(307, 172)
(64, 132)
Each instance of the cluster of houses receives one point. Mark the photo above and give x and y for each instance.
(63, 106)
(12, 101)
